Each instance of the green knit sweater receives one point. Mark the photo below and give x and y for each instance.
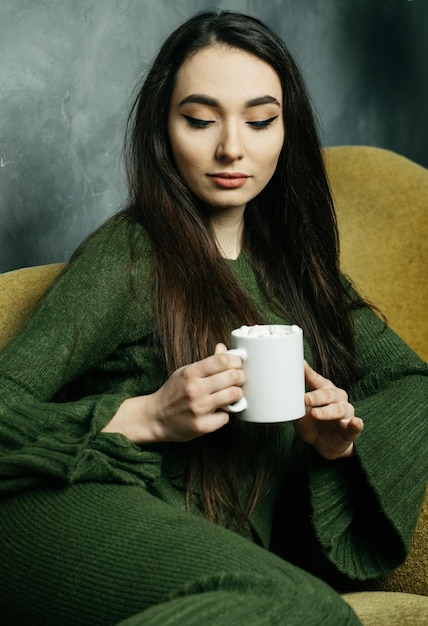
(89, 345)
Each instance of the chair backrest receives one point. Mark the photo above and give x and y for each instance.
(381, 201)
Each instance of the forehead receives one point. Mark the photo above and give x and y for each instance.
(226, 74)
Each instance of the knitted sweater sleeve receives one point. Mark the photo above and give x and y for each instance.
(85, 315)
(365, 509)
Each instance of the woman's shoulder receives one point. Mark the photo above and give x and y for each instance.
(108, 278)
(119, 239)
(112, 261)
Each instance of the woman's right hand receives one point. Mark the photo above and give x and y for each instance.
(187, 406)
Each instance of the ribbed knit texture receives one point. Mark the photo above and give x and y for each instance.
(92, 554)
(91, 529)
(392, 400)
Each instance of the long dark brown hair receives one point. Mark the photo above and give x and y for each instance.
(290, 238)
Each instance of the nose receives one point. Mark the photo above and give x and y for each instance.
(229, 147)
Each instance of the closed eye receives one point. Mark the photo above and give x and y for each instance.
(263, 124)
(194, 122)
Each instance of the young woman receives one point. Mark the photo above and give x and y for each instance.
(127, 490)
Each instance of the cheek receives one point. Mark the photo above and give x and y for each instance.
(268, 148)
(185, 153)
(268, 158)
(186, 162)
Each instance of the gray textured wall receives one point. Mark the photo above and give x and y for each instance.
(68, 69)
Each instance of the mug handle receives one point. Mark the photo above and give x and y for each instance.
(242, 404)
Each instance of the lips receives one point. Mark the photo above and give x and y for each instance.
(229, 180)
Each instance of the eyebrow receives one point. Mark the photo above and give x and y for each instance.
(212, 102)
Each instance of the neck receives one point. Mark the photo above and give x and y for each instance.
(229, 231)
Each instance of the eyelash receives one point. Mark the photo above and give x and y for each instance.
(263, 124)
(194, 122)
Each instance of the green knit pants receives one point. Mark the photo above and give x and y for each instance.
(102, 554)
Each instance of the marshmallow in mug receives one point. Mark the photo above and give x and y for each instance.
(273, 330)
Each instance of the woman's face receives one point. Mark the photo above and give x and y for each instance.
(225, 125)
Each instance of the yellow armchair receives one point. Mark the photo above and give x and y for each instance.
(382, 206)
(381, 201)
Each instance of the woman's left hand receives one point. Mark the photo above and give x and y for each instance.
(330, 425)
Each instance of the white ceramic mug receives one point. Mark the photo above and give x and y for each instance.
(273, 363)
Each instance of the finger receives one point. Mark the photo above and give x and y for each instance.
(350, 428)
(313, 379)
(334, 411)
(210, 422)
(205, 394)
(222, 399)
(209, 366)
(326, 395)
(217, 363)
(224, 380)
(220, 347)
(354, 427)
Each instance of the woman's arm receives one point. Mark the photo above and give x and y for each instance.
(187, 406)
(95, 310)
(365, 508)
(84, 316)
